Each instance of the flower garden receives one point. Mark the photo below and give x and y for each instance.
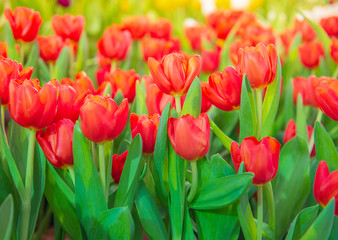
(169, 120)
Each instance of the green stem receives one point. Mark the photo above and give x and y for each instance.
(26, 204)
(312, 139)
(194, 183)
(178, 105)
(113, 66)
(259, 98)
(333, 130)
(3, 127)
(271, 206)
(259, 212)
(71, 63)
(102, 164)
(221, 135)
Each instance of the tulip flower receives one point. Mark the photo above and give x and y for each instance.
(330, 25)
(50, 47)
(161, 28)
(224, 89)
(259, 157)
(101, 119)
(3, 49)
(259, 64)
(305, 29)
(325, 186)
(57, 143)
(210, 60)
(156, 48)
(30, 105)
(334, 49)
(9, 70)
(114, 43)
(137, 25)
(327, 97)
(189, 136)
(287, 38)
(197, 34)
(68, 26)
(117, 166)
(235, 46)
(310, 53)
(306, 88)
(25, 23)
(64, 3)
(174, 74)
(147, 127)
(82, 83)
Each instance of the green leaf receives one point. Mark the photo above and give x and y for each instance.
(6, 187)
(302, 222)
(188, 231)
(7, 218)
(82, 53)
(160, 156)
(301, 120)
(294, 167)
(321, 227)
(325, 147)
(44, 74)
(247, 120)
(62, 64)
(62, 201)
(141, 107)
(271, 101)
(210, 197)
(193, 101)
(11, 49)
(33, 59)
(89, 198)
(130, 175)
(149, 214)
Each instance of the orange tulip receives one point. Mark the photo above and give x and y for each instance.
(68, 26)
(310, 53)
(137, 25)
(117, 166)
(3, 49)
(50, 47)
(327, 97)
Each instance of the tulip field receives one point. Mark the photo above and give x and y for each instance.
(181, 119)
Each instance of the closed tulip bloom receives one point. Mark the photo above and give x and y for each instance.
(101, 119)
(9, 70)
(50, 47)
(82, 84)
(210, 60)
(156, 48)
(305, 29)
(57, 143)
(330, 25)
(117, 166)
(224, 89)
(259, 157)
(114, 43)
(147, 127)
(325, 186)
(30, 105)
(327, 97)
(334, 49)
(68, 26)
(306, 88)
(137, 25)
(25, 23)
(189, 136)
(161, 28)
(259, 64)
(174, 73)
(235, 46)
(310, 53)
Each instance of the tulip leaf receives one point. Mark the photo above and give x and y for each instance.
(193, 101)
(210, 197)
(188, 231)
(12, 53)
(321, 227)
(62, 64)
(325, 147)
(301, 120)
(271, 101)
(89, 198)
(7, 218)
(160, 156)
(82, 53)
(130, 175)
(44, 74)
(149, 214)
(294, 167)
(302, 222)
(141, 107)
(247, 119)
(33, 59)
(62, 201)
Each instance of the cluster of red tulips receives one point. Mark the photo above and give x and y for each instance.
(125, 106)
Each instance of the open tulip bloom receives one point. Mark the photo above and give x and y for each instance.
(126, 120)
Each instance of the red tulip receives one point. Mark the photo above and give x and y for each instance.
(210, 60)
(82, 84)
(174, 74)
(114, 43)
(330, 25)
(327, 97)
(306, 88)
(25, 23)
(137, 25)
(57, 143)
(334, 49)
(50, 47)
(161, 28)
(118, 164)
(3, 49)
(259, 64)
(235, 46)
(197, 34)
(30, 105)
(156, 48)
(259, 157)
(258, 34)
(101, 119)
(287, 38)
(146, 126)
(189, 136)
(9, 70)
(303, 27)
(68, 26)
(325, 186)
(310, 53)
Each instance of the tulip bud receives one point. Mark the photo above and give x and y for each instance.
(137, 25)
(117, 166)
(259, 157)
(68, 26)
(50, 47)
(327, 97)
(310, 53)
